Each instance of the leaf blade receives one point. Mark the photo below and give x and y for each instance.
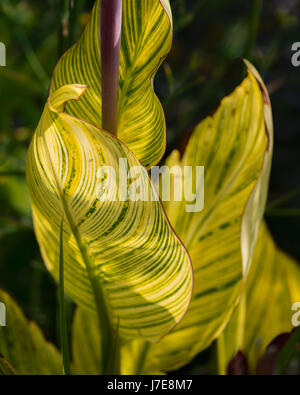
(272, 286)
(134, 256)
(146, 41)
(235, 146)
(23, 345)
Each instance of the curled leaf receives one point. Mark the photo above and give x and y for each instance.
(121, 248)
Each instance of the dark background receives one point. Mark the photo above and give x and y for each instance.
(210, 39)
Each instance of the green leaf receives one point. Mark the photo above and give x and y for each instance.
(272, 287)
(288, 352)
(121, 258)
(235, 148)
(23, 345)
(146, 41)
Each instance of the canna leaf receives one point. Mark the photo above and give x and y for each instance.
(86, 344)
(235, 148)
(146, 40)
(124, 251)
(23, 345)
(272, 287)
(86, 348)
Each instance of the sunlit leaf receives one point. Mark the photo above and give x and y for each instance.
(125, 250)
(146, 41)
(23, 345)
(272, 287)
(235, 147)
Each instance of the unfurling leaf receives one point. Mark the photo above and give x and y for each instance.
(272, 287)
(145, 41)
(123, 252)
(23, 346)
(235, 148)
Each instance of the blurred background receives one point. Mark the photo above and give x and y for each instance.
(210, 39)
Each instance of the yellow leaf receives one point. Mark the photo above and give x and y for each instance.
(119, 255)
(235, 148)
(272, 287)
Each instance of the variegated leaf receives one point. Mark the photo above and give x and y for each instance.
(235, 148)
(121, 249)
(272, 288)
(146, 40)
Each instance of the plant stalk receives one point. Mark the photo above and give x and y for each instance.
(111, 25)
(109, 350)
(62, 311)
(142, 358)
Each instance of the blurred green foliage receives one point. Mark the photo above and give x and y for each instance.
(210, 38)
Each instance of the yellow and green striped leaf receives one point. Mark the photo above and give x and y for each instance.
(126, 250)
(272, 287)
(23, 346)
(235, 148)
(145, 42)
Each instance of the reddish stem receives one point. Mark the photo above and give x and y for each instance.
(111, 24)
